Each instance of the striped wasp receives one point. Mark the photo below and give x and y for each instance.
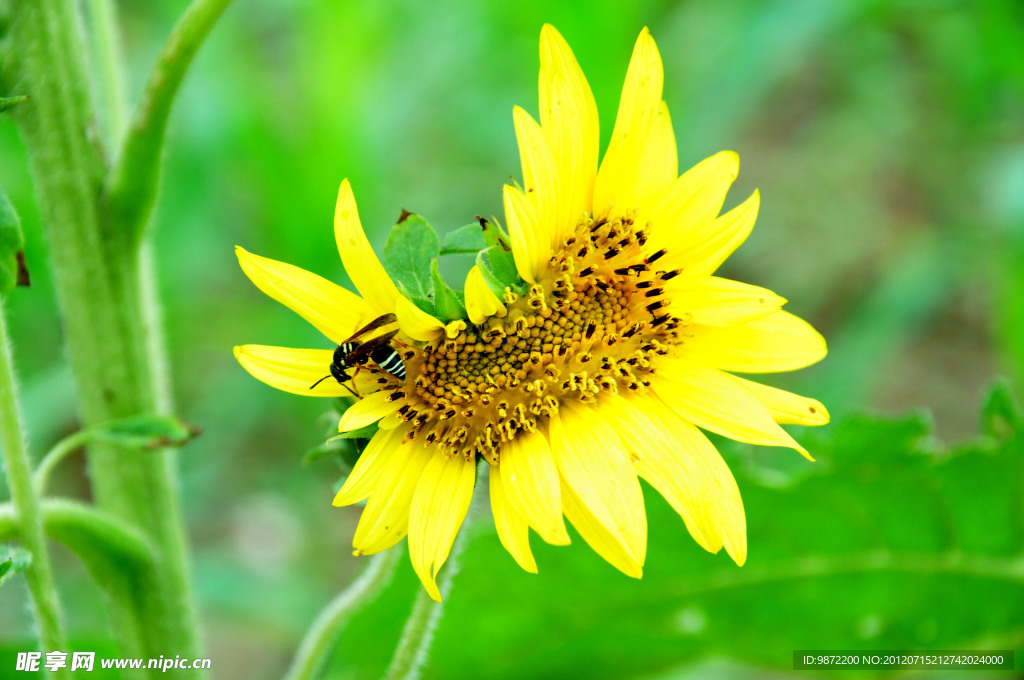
(353, 352)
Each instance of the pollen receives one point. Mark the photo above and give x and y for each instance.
(596, 322)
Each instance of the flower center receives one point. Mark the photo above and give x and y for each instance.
(596, 322)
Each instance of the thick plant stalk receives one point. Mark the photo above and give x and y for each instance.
(103, 304)
(39, 575)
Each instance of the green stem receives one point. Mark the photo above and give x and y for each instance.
(418, 633)
(39, 575)
(321, 636)
(132, 185)
(118, 557)
(101, 291)
(106, 44)
(55, 455)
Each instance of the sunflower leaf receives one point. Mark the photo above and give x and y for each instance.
(148, 431)
(483, 261)
(340, 447)
(448, 304)
(464, 240)
(502, 263)
(412, 244)
(12, 243)
(365, 432)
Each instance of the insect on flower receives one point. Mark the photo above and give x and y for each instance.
(610, 349)
(352, 352)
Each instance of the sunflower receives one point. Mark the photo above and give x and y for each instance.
(605, 362)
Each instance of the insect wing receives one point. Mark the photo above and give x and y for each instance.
(364, 350)
(379, 322)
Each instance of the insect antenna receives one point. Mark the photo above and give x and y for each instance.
(320, 381)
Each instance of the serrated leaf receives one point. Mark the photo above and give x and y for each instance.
(502, 262)
(9, 102)
(448, 304)
(150, 431)
(885, 543)
(464, 240)
(17, 561)
(412, 244)
(12, 248)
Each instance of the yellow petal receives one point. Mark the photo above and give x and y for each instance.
(616, 187)
(334, 311)
(695, 199)
(716, 401)
(438, 508)
(540, 176)
(685, 468)
(385, 519)
(513, 531)
(777, 342)
(416, 323)
(296, 370)
(530, 478)
(786, 407)
(700, 250)
(523, 234)
(718, 302)
(481, 302)
(361, 263)
(367, 411)
(370, 467)
(568, 115)
(605, 543)
(453, 328)
(391, 421)
(659, 163)
(593, 463)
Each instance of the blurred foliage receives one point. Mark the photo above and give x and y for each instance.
(887, 139)
(892, 542)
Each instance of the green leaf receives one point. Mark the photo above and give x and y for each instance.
(503, 264)
(341, 448)
(1002, 415)
(149, 431)
(448, 304)
(12, 243)
(412, 244)
(887, 542)
(464, 240)
(483, 261)
(10, 102)
(17, 561)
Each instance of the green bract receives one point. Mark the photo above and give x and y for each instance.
(412, 250)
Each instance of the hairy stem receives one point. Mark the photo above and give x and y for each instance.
(106, 50)
(418, 633)
(325, 630)
(39, 575)
(54, 456)
(102, 295)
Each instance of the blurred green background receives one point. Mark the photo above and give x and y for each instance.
(887, 140)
